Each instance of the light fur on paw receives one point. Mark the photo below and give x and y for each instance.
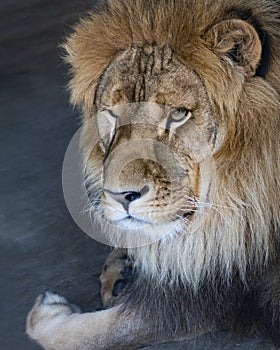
(49, 308)
(117, 272)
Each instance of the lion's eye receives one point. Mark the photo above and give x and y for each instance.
(106, 122)
(176, 118)
(179, 115)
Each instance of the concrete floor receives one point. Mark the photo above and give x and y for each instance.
(40, 244)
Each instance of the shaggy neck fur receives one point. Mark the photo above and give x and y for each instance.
(238, 230)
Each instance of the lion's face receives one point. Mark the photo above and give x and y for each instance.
(156, 135)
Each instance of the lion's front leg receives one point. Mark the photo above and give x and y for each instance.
(57, 325)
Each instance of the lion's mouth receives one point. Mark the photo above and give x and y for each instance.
(132, 221)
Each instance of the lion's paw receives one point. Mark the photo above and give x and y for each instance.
(49, 308)
(117, 272)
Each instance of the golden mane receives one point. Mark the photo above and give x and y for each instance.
(100, 37)
(243, 231)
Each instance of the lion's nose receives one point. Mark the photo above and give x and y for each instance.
(125, 198)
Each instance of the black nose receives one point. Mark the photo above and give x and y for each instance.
(125, 198)
(131, 196)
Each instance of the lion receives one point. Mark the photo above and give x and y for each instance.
(183, 97)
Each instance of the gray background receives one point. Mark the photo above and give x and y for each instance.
(41, 247)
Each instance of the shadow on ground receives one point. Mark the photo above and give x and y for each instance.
(41, 247)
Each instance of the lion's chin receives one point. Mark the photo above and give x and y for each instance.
(128, 231)
(131, 222)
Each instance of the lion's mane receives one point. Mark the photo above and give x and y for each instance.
(241, 229)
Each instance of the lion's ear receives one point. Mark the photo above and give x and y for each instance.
(238, 41)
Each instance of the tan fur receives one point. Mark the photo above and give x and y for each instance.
(112, 271)
(100, 38)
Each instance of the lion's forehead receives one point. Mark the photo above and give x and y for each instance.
(149, 73)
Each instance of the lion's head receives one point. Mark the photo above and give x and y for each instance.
(187, 128)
